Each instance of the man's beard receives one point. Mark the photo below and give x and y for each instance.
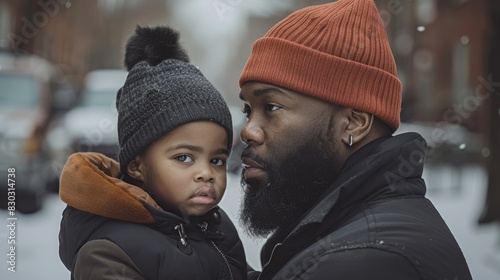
(296, 180)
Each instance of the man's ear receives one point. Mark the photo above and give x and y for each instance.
(359, 126)
(135, 169)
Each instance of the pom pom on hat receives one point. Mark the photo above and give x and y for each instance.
(154, 44)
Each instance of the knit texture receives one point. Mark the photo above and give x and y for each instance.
(337, 52)
(162, 92)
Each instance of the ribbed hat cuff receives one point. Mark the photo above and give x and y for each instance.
(166, 121)
(324, 76)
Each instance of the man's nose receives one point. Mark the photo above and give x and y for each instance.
(252, 133)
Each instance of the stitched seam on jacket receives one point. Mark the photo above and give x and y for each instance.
(371, 224)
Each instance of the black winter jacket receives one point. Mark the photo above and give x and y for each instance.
(373, 223)
(113, 230)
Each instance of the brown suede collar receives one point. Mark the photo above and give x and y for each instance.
(90, 182)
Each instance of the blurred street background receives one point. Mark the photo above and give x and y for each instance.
(61, 65)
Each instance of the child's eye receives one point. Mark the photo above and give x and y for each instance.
(184, 158)
(218, 161)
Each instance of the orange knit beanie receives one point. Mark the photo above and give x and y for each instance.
(337, 52)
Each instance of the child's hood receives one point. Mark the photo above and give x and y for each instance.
(90, 182)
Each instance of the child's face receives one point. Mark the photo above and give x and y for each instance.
(185, 170)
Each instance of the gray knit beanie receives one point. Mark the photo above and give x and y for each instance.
(162, 91)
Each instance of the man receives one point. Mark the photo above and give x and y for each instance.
(342, 197)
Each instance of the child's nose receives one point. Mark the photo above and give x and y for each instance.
(205, 175)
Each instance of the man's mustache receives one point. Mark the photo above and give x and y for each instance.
(250, 154)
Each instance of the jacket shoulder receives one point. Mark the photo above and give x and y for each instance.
(103, 259)
(361, 263)
(388, 239)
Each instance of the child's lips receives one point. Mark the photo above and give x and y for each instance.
(205, 195)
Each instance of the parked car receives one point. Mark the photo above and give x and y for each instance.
(27, 89)
(90, 126)
(92, 123)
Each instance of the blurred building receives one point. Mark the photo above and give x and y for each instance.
(440, 48)
(78, 36)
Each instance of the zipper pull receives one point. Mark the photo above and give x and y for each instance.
(182, 243)
(182, 234)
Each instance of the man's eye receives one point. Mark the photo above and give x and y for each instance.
(246, 110)
(184, 158)
(219, 161)
(272, 107)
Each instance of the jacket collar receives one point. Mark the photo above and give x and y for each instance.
(90, 182)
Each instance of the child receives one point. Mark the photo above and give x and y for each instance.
(154, 214)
